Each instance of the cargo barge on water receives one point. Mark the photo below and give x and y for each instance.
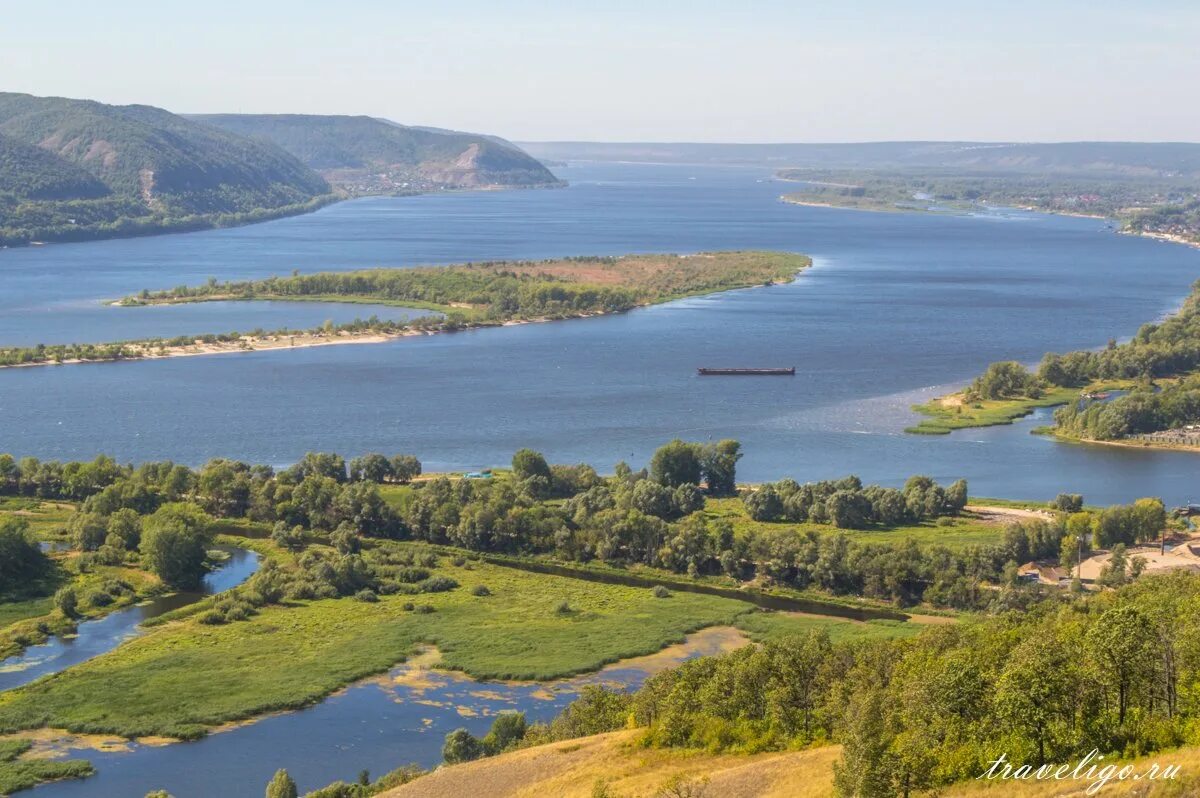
(747, 372)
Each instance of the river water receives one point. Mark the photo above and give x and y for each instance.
(899, 307)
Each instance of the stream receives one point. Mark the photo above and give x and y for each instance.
(93, 638)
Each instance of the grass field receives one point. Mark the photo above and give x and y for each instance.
(46, 519)
(181, 678)
(763, 627)
(955, 532)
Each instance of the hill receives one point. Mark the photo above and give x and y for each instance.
(1132, 159)
(74, 169)
(575, 768)
(365, 155)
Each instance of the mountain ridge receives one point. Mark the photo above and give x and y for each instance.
(364, 155)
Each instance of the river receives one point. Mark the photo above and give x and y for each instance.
(399, 718)
(898, 307)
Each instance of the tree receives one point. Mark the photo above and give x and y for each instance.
(718, 462)
(1149, 518)
(66, 601)
(288, 537)
(405, 468)
(10, 474)
(763, 504)
(1035, 691)
(1068, 502)
(1005, 380)
(461, 746)
(527, 463)
(865, 769)
(175, 544)
(126, 525)
(346, 539)
(676, 463)
(1115, 573)
(370, 468)
(362, 506)
(848, 509)
(87, 530)
(21, 559)
(1121, 640)
(323, 464)
(281, 786)
(956, 496)
(507, 729)
(223, 488)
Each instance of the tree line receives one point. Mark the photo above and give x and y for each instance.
(654, 516)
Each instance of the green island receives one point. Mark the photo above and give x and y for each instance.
(535, 572)
(466, 296)
(1155, 373)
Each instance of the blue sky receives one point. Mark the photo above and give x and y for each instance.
(1053, 70)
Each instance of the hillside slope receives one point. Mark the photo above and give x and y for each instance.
(72, 169)
(367, 155)
(574, 768)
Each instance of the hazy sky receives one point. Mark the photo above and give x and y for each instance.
(612, 70)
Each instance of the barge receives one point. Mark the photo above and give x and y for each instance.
(747, 372)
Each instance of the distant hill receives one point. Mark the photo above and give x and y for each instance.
(363, 154)
(73, 169)
(1132, 159)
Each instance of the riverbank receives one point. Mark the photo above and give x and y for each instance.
(1124, 443)
(141, 227)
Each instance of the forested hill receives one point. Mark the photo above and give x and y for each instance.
(76, 169)
(367, 155)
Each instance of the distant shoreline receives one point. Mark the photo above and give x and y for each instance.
(211, 222)
(882, 207)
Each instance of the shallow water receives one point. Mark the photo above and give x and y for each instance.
(93, 638)
(898, 307)
(376, 725)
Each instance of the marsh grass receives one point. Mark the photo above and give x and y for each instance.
(21, 774)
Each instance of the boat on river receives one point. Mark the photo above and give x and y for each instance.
(747, 372)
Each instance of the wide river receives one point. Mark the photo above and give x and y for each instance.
(898, 307)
